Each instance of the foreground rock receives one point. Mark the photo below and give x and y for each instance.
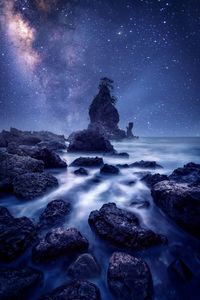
(85, 266)
(129, 278)
(30, 138)
(109, 169)
(76, 290)
(180, 202)
(13, 165)
(146, 165)
(49, 157)
(87, 162)
(81, 172)
(16, 283)
(16, 235)
(190, 173)
(32, 185)
(151, 179)
(59, 242)
(89, 141)
(54, 213)
(122, 228)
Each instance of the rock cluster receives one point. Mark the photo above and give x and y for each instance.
(122, 228)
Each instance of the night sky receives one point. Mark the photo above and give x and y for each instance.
(53, 53)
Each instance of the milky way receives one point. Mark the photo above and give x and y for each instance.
(53, 53)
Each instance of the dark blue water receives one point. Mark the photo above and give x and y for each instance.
(86, 196)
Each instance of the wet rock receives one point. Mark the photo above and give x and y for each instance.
(190, 173)
(59, 242)
(109, 169)
(16, 235)
(85, 266)
(87, 162)
(81, 171)
(50, 158)
(140, 204)
(151, 179)
(89, 141)
(32, 185)
(180, 202)
(121, 155)
(129, 278)
(17, 283)
(129, 182)
(145, 165)
(178, 270)
(13, 165)
(122, 228)
(54, 213)
(75, 290)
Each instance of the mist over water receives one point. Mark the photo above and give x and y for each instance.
(86, 195)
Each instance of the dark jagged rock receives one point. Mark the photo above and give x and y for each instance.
(190, 173)
(122, 228)
(49, 157)
(180, 202)
(129, 133)
(151, 179)
(104, 116)
(109, 169)
(59, 242)
(54, 213)
(123, 166)
(89, 141)
(81, 172)
(29, 137)
(16, 283)
(32, 185)
(121, 154)
(75, 290)
(85, 266)
(87, 162)
(13, 165)
(16, 235)
(145, 165)
(129, 278)
(178, 270)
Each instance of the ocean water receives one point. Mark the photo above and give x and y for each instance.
(85, 196)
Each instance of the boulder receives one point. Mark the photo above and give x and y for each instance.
(52, 145)
(109, 169)
(89, 141)
(129, 278)
(54, 213)
(81, 171)
(146, 165)
(16, 235)
(122, 228)
(13, 165)
(190, 173)
(85, 266)
(87, 162)
(180, 202)
(17, 283)
(32, 185)
(58, 242)
(75, 290)
(151, 179)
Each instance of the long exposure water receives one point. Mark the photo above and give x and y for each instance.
(87, 195)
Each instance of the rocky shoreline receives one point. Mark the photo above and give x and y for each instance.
(26, 161)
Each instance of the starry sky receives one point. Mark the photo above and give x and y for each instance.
(53, 53)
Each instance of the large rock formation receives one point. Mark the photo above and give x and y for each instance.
(104, 116)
